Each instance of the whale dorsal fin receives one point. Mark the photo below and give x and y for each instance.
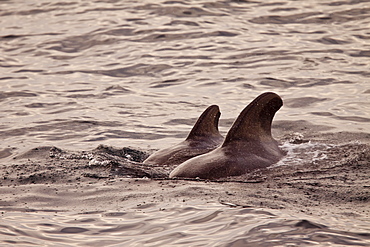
(207, 124)
(254, 122)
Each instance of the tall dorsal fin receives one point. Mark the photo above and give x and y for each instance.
(254, 122)
(207, 124)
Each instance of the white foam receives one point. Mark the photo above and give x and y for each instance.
(303, 152)
(97, 162)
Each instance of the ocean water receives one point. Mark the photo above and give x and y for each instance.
(163, 225)
(77, 74)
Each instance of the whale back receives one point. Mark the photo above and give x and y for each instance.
(203, 138)
(254, 122)
(247, 146)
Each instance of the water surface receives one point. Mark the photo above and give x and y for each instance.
(77, 74)
(162, 225)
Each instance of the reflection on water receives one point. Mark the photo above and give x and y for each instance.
(117, 72)
(159, 225)
(76, 74)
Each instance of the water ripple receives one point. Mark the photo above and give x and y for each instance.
(211, 225)
(77, 74)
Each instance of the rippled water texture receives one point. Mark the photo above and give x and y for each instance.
(76, 74)
(150, 225)
(81, 73)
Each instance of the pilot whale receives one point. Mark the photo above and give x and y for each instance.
(247, 146)
(203, 137)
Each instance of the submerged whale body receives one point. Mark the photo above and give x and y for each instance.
(203, 137)
(247, 146)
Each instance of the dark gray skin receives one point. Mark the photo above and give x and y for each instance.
(247, 146)
(203, 138)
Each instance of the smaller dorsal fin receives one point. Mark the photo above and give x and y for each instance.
(254, 122)
(207, 124)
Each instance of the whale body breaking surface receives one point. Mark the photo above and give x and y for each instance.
(248, 145)
(203, 137)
